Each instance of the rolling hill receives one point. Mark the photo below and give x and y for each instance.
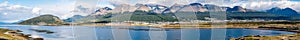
(43, 20)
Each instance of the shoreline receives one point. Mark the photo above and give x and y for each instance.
(194, 25)
(295, 29)
(7, 34)
(258, 26)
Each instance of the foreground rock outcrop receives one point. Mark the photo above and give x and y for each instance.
(279, 37)
(6, 34)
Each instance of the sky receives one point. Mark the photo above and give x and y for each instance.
(17, 10)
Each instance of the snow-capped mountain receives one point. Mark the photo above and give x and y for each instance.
(123, 8)
(215, 8)
(142, 7)
(174, 8)
(102, 11)
(193, 7)
(239, 9)
(151, 8)
(233, 12)
(154, 8)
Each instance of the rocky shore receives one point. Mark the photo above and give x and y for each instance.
(284, 28)
(279, 37)
(295, 29)
(6, 34)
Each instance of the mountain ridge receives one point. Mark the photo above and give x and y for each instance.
(153, 12)
(43, 20)
(150, 9)
(283, 11)
(192, 7)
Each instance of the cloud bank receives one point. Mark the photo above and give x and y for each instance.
(13, 13)
(262, 5)
(10, 13)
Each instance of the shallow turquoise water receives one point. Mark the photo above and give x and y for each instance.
(136, 33)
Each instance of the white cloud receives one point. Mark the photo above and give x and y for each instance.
(265, 5)
(161, 2)
(84, 7)
(4, 13)
(36, 10)
(60, 8)
(12, 12)
(9, 21)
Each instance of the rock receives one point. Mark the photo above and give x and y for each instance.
(46, 31)
(38, 39)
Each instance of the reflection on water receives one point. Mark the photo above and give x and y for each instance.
(131, 33)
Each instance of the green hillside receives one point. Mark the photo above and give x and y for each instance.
(43, 20)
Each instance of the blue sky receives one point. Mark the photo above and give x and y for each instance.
(16, 10)
(33, 3)
(101, 3)
(295, 0)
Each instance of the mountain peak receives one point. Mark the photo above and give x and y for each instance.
(101, 11)
(275, 8)
(236, 9)
(48, 15)
(107, 8)
(43, 20)
(196, 4)
(77, 16)
(285, 11)
(142, 7)
(288, 8)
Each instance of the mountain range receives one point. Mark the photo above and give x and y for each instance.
(161, 13)
(285, 11)
(193, 7)
(147, 9)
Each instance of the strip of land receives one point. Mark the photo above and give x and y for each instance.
(6, 34)
(293, 28)
(279, 37)
(197, 24)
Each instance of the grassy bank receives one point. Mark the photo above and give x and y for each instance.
(11, 36)
(278, 37)
(231, 25)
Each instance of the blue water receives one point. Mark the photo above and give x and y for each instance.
(136, 33)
